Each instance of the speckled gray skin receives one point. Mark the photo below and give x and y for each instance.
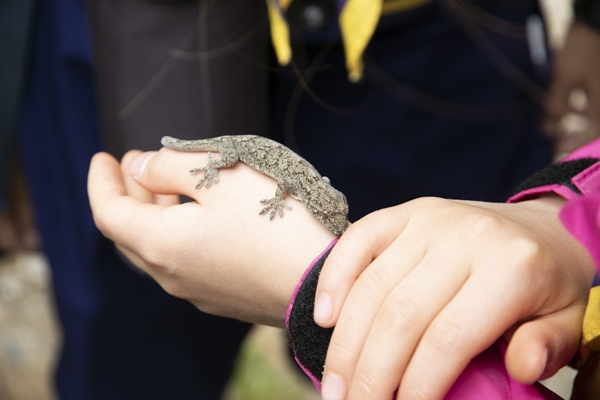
(294, 175)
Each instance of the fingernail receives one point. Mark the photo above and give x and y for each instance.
(138, 164)
(323, 309)
(333, 387)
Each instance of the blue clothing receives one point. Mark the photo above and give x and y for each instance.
(15, 26)
(123, 336)
(435, 115)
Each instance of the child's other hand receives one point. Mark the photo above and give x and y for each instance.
(417, 290)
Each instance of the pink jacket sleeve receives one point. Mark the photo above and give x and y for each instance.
(588, 181)
(581, 214)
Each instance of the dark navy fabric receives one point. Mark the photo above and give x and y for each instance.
(123, 336)
(15, 27)
(436, 113)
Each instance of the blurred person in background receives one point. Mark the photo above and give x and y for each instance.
(122, 336)
(17, 230)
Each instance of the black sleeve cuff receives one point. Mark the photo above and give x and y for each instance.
(560, 174)
(308, 340)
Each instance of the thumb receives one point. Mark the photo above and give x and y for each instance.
(167, 171)
(539, 348)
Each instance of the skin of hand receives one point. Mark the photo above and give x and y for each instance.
(417, 290)
(217, 252)
(577, 65)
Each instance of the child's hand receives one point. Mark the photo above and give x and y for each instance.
(417, 290)
(218, 252)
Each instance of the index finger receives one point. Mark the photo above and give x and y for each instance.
(358, 246)
(116, 215)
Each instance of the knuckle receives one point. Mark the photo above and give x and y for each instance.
(445, 337)
(528, 251)
(359, 230)
(400, 314)
(431, 203)
(369, 226)
(336, 264)
(527, 257)
(422, 201)
(485, 225)
(376, 282)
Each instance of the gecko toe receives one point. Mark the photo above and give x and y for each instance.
(275, 206)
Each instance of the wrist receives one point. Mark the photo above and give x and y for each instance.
(295, 245)
(287, 264)
(298, 259)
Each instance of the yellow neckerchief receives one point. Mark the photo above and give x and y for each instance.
(591, 325)
(358, 20)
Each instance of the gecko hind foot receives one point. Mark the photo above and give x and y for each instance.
(276, 206)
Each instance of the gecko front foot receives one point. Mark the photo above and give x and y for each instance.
(276, 205)
(211, 173)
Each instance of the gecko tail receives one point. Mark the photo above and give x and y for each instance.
(168, 140)
(179, 144)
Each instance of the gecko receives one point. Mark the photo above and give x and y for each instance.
(294, 175)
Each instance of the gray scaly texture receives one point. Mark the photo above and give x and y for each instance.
(294, 175)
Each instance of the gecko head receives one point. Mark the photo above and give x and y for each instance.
(331, 208)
